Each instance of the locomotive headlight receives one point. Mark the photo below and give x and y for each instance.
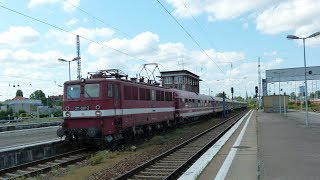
(98, 113)
(67, 114)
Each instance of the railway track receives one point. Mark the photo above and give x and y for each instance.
(171, 164)
(44, 165)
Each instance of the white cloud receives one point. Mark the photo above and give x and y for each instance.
(300, 16)
(68, 6)
(218, 9)
(33, 3)
(70, 39)
(169, 55)
(71, 5)
(141, 44)
(40, 69)
(19, 36)
(71, 22)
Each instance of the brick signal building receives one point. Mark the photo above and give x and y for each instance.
(182, 80)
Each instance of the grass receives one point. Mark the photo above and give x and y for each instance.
(102, 156)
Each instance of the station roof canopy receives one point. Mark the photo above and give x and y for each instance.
(292, 74)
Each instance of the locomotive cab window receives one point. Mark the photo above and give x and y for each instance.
(109, 90)
(73, 92)
(91, 90)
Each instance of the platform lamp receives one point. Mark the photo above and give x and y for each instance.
(305, 68)
(74, 59)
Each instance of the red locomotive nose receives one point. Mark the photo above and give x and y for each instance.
(64, 125)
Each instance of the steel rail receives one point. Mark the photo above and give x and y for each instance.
(11, 173)
(175, 173)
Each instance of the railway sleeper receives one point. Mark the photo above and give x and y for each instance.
(172, 161)
(33, 168)
(11, 175)
(161, 170)
(43, 165)
(176, 156)
(52, 164)
(22, 172)
(153, 173)
(147, 177)
(167, 164)
(181, 155)
(164, 167)
(59, 161)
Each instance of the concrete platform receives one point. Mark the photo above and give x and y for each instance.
(287, 148)
(269, 146)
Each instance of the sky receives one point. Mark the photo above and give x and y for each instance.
(219, 40)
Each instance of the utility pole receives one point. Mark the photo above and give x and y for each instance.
(79, 58)
(259, 82)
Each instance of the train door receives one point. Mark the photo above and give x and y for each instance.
(116, 93)
(117, 99)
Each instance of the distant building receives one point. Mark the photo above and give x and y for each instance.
(182, 80)
(272, 103)
(21, 103)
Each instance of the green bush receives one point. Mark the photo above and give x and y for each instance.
(98, 158)
(157, 140)
(21, 111)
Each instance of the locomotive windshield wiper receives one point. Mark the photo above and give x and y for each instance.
(87, 93)
(69, 96)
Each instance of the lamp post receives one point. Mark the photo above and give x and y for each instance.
(305, 68)
(279, 91)
(74, 59)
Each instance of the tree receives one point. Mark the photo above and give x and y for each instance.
(220, 95)
(38, 94)
(239, 98)
(19, 93)
(293, 96)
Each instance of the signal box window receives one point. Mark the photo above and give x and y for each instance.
(91, 90)
(109, 90)
(73, 92)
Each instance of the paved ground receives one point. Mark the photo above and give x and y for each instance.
(19, 137)
(287, 148)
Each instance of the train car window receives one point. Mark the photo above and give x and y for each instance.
(109, 90)
(127, 92)
(91, 90)
(73, 92)
(153, 95)
(134, 93)
(142, 93)
(148, 95)
(162, 96)
(116, 92)
(158, 95)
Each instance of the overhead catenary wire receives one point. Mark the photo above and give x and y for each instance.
(112, 27)
(192, 38)
(63, 30)
(200, 27)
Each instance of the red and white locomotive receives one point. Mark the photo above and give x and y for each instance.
(108, 107)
